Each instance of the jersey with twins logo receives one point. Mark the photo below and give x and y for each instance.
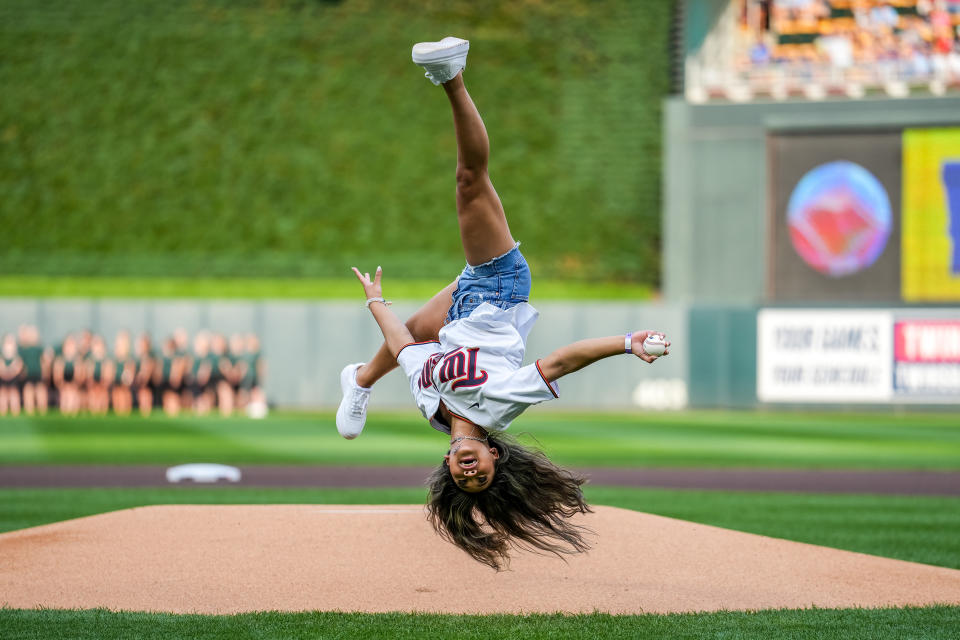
(476, 369)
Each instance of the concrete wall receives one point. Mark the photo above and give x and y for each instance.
(307, 343)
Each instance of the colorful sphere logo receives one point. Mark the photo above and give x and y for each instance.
(839, 218)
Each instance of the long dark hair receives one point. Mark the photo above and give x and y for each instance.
(526, 506)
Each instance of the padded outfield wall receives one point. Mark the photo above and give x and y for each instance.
(307, 343)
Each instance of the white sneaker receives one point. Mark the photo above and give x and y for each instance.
(352, 413)
(442, 60)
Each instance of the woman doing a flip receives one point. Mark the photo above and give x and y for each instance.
(463, 352)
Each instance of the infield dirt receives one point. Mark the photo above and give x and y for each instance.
(230, 559)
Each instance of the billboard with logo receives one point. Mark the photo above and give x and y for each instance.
(927, 360)
(835, 216)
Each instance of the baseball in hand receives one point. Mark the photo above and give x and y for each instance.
(655, 344)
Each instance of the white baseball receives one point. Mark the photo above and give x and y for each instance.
(654, 344)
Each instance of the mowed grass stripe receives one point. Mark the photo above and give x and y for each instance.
(824, 624)
(344, 288)
(688, 439)
(915, 528)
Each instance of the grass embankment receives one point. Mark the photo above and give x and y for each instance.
(823, 624)
(695, 439)
(290, 138)
(914, 528)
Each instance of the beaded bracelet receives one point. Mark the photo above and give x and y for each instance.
(372, 300)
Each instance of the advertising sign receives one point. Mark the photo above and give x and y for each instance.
(927, 360)
(824, 355)
(931, 215)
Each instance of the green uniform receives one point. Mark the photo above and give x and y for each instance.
(32, 362)
(251, 375)
(8, 378)
(69, 370)
(215, 374)
(97, 374)
(118, 374)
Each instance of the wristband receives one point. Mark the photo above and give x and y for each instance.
(628, 343)
(372, 300)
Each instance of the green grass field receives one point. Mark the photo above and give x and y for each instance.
(699, 439)
(343, 288)
(933, 623)
(920, 529)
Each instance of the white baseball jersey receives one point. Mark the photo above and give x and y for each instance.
(475, 368)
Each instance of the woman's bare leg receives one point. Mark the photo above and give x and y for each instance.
(484, 232)
(484, 235)
(423, 325)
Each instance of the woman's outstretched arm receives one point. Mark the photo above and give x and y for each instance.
(395, 332)
(576, 356)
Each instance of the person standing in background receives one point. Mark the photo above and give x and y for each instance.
(238, 368)
(99, 372)
(68, 376)
(222, 374)
(36, 364)
(11, 374)
(143, 380)
(182, 340)
(124, 372)
(168, 378)
(201, 386)
(251, 394)
(84, 338)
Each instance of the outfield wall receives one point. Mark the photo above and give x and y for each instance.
(307, 343)
(741, 356)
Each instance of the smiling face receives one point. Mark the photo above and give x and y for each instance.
(472, 464)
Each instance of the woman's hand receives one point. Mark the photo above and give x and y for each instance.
(395, 333)
(636, 345)
(370, 288)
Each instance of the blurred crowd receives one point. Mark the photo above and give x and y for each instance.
(825, 47)
(84, 374)
(873, 38)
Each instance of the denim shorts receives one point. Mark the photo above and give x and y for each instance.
(503, 282)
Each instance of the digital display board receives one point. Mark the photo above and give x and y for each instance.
(835, 212)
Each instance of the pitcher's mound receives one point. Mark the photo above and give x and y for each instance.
(228, 559)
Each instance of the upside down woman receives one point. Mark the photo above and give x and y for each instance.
(463, 352)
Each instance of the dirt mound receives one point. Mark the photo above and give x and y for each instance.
(229, 559)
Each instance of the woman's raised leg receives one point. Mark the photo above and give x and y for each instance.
(484, 235)
(484, 232)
